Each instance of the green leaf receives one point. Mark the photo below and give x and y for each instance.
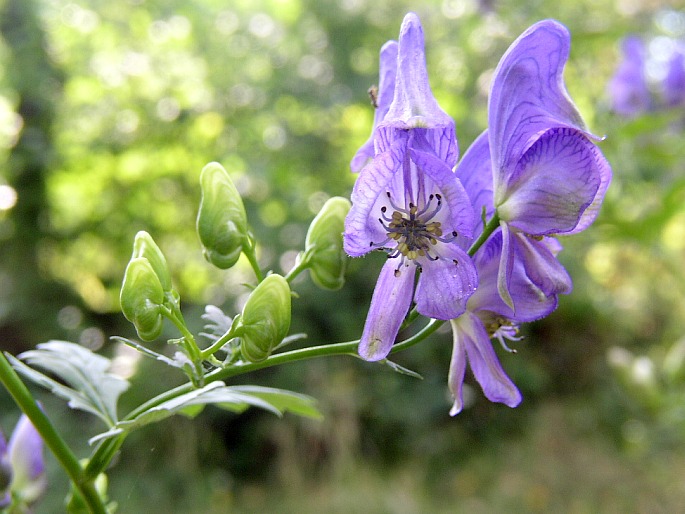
(89, 387)
(401, 369)
(283, 400)
(234, 398)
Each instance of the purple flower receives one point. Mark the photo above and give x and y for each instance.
(25, 454)
(628, 88)
(408, 202)
(384, 96)
(548, 177)
(5, 474)
(486, 317)
(673, 84)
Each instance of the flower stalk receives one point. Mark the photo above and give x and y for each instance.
(23, 398)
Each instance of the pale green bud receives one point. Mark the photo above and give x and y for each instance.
(265, 320)
(324, 242)
(221, 220)
(142, 297)
(145, 246)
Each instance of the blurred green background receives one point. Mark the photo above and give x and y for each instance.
(109, 110)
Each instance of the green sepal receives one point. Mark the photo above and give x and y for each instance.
(221, 220)
(324, 244)
(145, 246)
(142, 298)
(265, 320)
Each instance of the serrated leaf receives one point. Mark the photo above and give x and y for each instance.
(234, 398)
(89, 386)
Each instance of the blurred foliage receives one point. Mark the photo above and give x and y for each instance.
(109, 111)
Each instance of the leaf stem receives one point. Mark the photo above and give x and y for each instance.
(488, 229)
(249, 249)
(23, 398)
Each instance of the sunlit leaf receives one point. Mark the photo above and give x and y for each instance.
(89, 386)
(234, 398)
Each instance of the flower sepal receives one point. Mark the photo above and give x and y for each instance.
(265, 319)
(221, 220)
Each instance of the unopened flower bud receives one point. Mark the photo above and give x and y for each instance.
(145, 246)
(25, 451)
(324, 240)
(142, 297)
(265, 319)
(221, 220)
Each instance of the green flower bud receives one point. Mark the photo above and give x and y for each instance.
(221, 220)
(265, 320)
(142, 297)
(145, 246)
(325, 242)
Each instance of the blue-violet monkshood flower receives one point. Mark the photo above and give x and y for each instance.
(549, 177)
(22, 465)
(408, 202)
(5, 474)
(486, 317)
(628, 90)
(383, 98)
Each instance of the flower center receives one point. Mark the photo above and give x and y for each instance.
(411, 229)
(503, 328)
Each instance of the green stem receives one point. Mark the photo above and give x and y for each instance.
(108, 448)
(301, 265)
(173, 312)
(249, 250)
(53, 440)
(489, 228)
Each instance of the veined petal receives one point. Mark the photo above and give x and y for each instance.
(475, 173)
(361, 227)
(414, 105)
(386, 92)
(455, 377)
(461, 213)
(446, 284)
(528, 96)
(555, 181)
(497, 386)
(530, 301)
(541, 266)
(389, 305)
(604, 169)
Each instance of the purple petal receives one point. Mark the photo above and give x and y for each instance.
(674, 82)
(461, 213)
(26, 457)
(389, 305)
(628, 88)
(506, 266)
(444, 287)
(603, 168)
(528, 96)
(475, 173)
(554, 183)
(455, 377)
(541, 266)
(361, 224)
(414, 106)
(497, 386)
(530, 301)
(386, 91)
